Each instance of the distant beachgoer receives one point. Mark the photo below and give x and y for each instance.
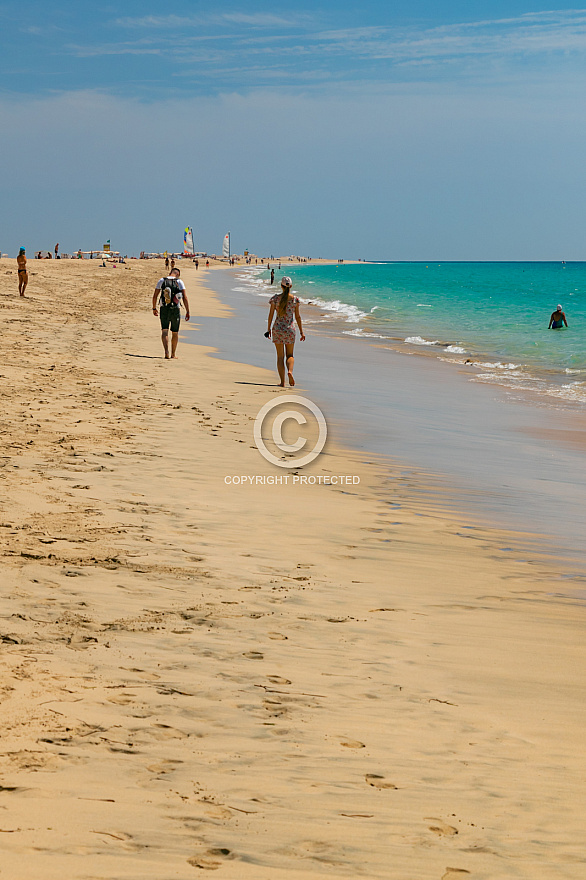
(557, 320)
(49, 255)
(167, 263)
(207, 264)
(170, 293)
(57, 257)
(272, 276)
(22, 271)
(172, 264)
(285, 309)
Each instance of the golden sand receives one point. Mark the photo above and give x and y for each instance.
(270, 682)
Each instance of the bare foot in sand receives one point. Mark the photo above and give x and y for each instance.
(291, 379)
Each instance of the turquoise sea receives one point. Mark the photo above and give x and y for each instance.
(501, 436)
(493, 315)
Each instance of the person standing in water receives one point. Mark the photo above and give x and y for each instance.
(285, 310)
(557, 320)
(22, 271)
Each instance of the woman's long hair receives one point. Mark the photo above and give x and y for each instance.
(283, 299)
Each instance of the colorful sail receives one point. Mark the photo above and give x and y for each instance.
(226, 246)
(188, 240)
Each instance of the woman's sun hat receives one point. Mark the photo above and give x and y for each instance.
(560, 309)
(286, 281)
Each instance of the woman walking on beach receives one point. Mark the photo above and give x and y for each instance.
(285, 309)
(22, 271)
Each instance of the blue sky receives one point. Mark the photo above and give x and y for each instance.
(395, 130)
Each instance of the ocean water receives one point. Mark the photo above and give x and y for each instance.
(492, 316)
(507, 457)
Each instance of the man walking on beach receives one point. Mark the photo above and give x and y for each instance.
(170, 293)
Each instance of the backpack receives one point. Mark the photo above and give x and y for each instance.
(169, 292)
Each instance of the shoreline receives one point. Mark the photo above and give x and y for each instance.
(317, 683)
(494, 451)
(493, 367)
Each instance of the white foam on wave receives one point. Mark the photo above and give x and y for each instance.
(575, 391)
(455, 349)
(352, 314)
(497, 365)
(419, 340)
(358, 331)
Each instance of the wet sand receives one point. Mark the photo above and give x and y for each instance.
(504, 457)
(265, 681)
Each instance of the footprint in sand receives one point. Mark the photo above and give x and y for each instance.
(276, 679)
(164, 767)
(165, 731)
(378, 781)
(216, 812)
(442, 829)
(125, 839)
(452, 873)
(211, 859)
(352, 744)
(277, 636)
(253, 655)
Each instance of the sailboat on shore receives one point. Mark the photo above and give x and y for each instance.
(188, 242)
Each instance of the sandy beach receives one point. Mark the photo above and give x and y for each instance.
(265, 681)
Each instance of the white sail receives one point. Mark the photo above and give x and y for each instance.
(226, 246)
(188, 240)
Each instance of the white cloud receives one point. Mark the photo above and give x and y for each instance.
(524, 41)
(531, 34)
(254, 20)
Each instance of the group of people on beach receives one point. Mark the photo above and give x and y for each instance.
(170, 295)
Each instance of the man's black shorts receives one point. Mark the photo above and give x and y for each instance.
(170, 315)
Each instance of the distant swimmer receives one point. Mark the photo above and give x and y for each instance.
(557, 320)
(22, 271)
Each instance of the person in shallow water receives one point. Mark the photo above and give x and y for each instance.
(557, 320)
(285, 310)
